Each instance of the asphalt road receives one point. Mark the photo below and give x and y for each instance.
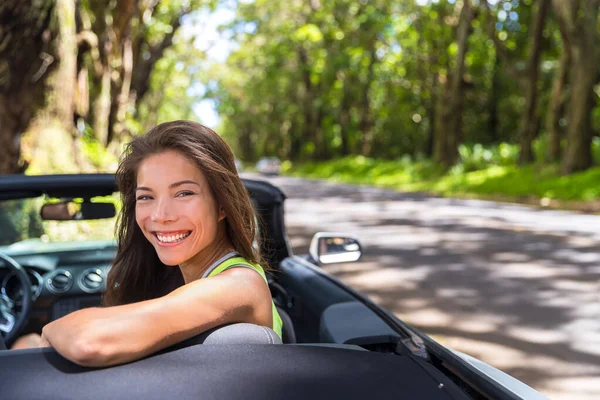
(513, 285)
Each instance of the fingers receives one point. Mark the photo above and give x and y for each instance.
(30, 341)
(44, 342)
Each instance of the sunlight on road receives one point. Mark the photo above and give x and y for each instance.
(513, 286)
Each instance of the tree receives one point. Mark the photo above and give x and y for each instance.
(578, 20)
(26, 58)
(528, 78)
(558, 97)
(85, 63)
(448, 126)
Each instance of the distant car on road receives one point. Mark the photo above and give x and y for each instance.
(269, 166)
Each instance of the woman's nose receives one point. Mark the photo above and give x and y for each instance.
(163, 212)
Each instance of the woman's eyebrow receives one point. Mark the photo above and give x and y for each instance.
(171, 186)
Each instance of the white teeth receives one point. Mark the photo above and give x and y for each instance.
(172, 238)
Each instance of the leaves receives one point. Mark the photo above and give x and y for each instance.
(321, 79)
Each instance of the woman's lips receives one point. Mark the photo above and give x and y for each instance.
(171, 238)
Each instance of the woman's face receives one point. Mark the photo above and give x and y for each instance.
(175, 207)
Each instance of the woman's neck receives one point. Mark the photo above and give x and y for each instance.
(194, 268)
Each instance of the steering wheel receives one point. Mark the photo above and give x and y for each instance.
(11, 323)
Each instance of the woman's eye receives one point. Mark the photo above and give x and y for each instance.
(143, 197)
(184, 194)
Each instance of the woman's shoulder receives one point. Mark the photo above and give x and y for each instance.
(236, 262)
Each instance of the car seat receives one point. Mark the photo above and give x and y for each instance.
(287, 332)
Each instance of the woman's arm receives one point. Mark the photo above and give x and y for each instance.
(98, 337)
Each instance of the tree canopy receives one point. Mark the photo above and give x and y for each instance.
(308, 80)
(321, 79)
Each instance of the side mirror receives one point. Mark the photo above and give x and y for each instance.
(330, 248)
(70, 211)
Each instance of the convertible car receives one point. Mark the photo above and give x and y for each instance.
(57, 245)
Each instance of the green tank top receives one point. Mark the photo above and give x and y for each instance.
(231, 261)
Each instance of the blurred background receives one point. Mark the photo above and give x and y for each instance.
(417, 94)
(488, 99)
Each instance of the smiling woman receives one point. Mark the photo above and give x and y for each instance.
(185, 261)
(179, 215)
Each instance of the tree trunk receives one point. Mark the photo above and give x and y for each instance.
(101, 104)
(434, 75)
(307, 106)
(556, 107)
(449, 121)
(295, 143)
(121, 94)
(578, 154)
(366, 122)
(344, 115)
(578, 22)
(530, 116)
(493, 102)
(25, 63)
(146, 55)
(62, 83)
(54, 123)
(246, 145)
(431, 116)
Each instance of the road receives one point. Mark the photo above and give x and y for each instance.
(513, 285)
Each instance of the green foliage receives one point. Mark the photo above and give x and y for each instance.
(481, 172)
(319, 81)
(295, 86)
(172, 92)
(518, 182)
(95, 152)
(43, 144)
(337, 79)
(476, 157)
(170, 97)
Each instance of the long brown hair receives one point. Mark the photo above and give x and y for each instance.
(137, 273)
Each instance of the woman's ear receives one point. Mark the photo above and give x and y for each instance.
(222, 214)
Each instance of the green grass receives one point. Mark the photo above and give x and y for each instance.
(509, 182)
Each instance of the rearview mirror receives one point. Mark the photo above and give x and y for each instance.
(330, 248)
(72, 211)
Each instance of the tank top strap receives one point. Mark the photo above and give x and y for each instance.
(236, 262)
(217, 263)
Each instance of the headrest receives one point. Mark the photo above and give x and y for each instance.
(241, 333)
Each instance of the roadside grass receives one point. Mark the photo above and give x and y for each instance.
(535, 183)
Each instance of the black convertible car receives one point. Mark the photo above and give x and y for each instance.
(57, 245)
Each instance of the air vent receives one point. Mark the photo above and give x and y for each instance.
(60, 282)
(91, 280)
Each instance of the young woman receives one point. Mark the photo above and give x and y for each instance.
(185, 261)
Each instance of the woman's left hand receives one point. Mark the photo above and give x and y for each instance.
(43, 342)
(29, 341)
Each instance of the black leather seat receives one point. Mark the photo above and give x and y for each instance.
(287, 332)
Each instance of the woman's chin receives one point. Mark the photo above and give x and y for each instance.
(170, 260)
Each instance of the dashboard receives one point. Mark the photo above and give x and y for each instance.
(61, 282)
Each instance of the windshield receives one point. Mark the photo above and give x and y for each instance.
(20, 221)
